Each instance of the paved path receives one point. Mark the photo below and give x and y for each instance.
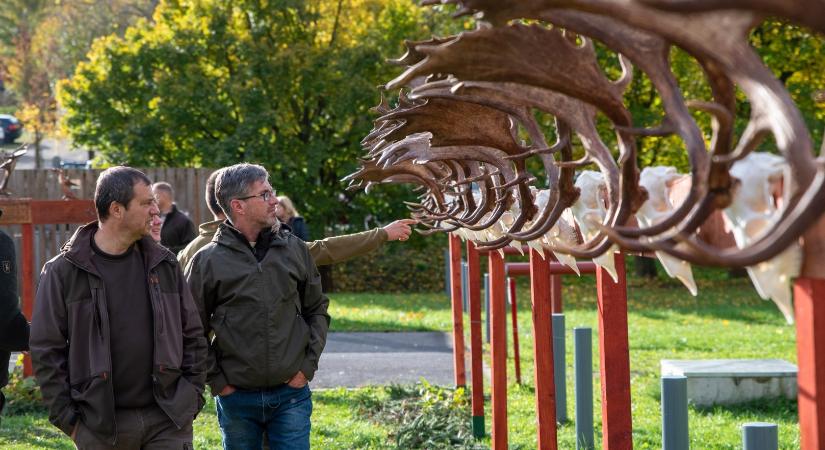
(359, 359)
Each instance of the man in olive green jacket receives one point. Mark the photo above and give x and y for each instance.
(258, 291)
(327, 251)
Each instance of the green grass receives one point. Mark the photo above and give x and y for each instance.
(726, 320)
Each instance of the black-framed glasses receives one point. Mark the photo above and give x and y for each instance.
(265, 195)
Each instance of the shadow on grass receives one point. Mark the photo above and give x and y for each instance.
(777, 408)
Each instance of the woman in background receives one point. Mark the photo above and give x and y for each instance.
(287, 214)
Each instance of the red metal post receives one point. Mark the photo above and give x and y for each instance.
(498, 345)
(27, 260)
(476, 345)
(511, 283)
(615, 358)
(458, 313)
(543, 351)
(809, 305)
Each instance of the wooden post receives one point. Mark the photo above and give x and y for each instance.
(809, 306)
(511, 284)
(555, 292)
(498, 351)
(27, 271)
(614, 358)
(458, 313)
(476, 345)
(543, 351)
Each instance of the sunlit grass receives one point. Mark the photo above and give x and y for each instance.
(726, 320)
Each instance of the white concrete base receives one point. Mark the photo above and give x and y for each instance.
(730, 381)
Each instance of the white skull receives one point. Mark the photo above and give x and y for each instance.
(751, 214)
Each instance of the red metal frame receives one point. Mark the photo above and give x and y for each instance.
(614, 358)
(27, 213)
(458, 313)
(498, 350)
(476, 343)
(543, 352)
(809, 295)
(511, 284)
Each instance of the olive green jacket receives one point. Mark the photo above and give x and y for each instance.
(327, 251)
(269, 317)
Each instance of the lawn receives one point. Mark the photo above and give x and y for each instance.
(726, 320)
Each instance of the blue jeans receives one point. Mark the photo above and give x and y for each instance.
(282, 413)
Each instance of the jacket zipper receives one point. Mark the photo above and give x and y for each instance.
(158, 300)
(98, 321)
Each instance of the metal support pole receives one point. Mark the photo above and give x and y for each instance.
(675, 434)
(458, 316)
(447, 272)
(559, 368)
(487, 307)
(465, 296)
(760, 436)
(543, 352)
(614, 355)
(498, 351)
(511, 284)
(583, 366)
(809, 310)
(476, 346)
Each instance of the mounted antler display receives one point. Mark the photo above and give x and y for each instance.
(466, 119)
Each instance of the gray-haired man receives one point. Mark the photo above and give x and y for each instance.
(259, 292)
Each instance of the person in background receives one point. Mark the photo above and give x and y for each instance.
(116, 341)
(14, 328)
(154, 228)
(177, 230)
(287, 214)
(327, 251)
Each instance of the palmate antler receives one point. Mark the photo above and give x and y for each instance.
(468, 101)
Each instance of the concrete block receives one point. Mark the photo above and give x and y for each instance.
(731, 381)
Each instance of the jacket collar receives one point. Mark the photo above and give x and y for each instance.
(229, 236)
(78, 250)
(209, 228)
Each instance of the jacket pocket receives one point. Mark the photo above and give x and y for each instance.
(94, 400)
(240, 337)
(86, 358)
(176, 395)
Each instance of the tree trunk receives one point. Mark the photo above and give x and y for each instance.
(644, 267)
(327, 284)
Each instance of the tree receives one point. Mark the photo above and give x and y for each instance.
(286, 83)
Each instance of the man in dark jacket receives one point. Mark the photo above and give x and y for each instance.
(116, 342)
(259, 292)
(177, 230)
(14, 328)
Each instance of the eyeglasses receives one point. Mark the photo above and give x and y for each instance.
(265, 196)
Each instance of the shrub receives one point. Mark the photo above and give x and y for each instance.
(413, 266)
(423, 415)
(22, 395)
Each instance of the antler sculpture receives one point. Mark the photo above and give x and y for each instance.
(467, 106)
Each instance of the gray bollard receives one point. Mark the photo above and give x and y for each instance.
(465, 285)
(559, 368)
(487, 307)
(447, 272)
(760, 436)
(675, 434)
(583, 367)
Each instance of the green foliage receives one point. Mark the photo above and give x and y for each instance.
(22, 395)
(422, 415)
(414, 266)
(287, 84)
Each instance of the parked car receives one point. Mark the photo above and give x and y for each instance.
(10, 128)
